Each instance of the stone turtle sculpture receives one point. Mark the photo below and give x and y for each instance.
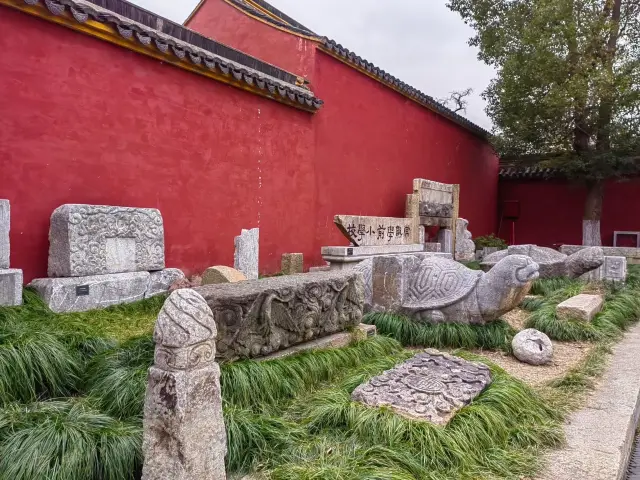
(552, 263)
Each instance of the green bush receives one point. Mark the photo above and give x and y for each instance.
(489, 241)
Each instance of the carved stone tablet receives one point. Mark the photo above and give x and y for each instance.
(366, 231)
(432, 386)
(97, 240)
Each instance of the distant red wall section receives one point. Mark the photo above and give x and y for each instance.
(551, 211)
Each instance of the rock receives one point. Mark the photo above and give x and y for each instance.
(221, 274)
(292, 263)
(533, 347)
(434, 289)
(10, 287)
(78, 294)
(445, 239)
(184, 433)
(632, 254)
(552, 263)
(581, 307)
(465, 248)
(432, 386)
(369, 231)
(247, 253)
(259, 317)
(5, 225)
(96, 239)
(614, 269)
(162, 280)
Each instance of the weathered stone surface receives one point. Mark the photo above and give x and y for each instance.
(434, 192)
(614, 269)
(96, 239)
(434, 289)
(412, 205)
(465, 248)
(161, 281)
(10, 287)
(630, 253)
(292, 263)
(184, 434)
(341, 258)
(432, 386)
(433, 247)
(323, 268)
(247, 253)
(445, 239)
(78, 294)
(5, 226)
(222, 274)
(257, 318)
(368, 231)
(532, 347)
(552, 263)
(581, 307)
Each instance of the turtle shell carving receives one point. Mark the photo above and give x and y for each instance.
(439, 282)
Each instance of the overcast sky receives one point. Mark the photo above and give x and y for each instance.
(420, 42)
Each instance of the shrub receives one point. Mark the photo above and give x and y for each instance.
(489, 241)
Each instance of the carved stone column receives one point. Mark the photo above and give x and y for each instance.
(184, 433)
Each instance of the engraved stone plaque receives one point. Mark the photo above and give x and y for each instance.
(432, 387)
(368, 231)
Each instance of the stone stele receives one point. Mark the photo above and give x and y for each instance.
(436, 289)
(5, 224)
(184, 434)
(96, 240)
(78, 294)
(222, 274)
(432, 387)
(465, 248)
(532, 347)
(292, 263)
(369, 231)
(259, 317)
(247, 253)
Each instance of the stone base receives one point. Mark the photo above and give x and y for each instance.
(78, 294)
(10, 287)
(337, 340)
(341, 258)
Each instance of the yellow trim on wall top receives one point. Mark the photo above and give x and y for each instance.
(110, 34)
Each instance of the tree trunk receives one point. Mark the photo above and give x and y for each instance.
(592, 213)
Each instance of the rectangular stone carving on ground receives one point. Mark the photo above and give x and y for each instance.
(98, 239)
(78, 294)
(247, 253)
(259, 317)
(10, 287)
(580, 307)
(432, 386)
(370, 231)
(5, 225)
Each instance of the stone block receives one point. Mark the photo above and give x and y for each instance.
(292, 263)
(222, 274)
(259, 317)
(161, 281)
(532, 347)
(368, 231)
(412, 206)
(323, 268)
(10, 287)
(433, 247)
(5, 226)
(581, 307)
(445, 239)
(432, 386)
(78, 294)
(247, 253)
(184, 435)
(96, 240)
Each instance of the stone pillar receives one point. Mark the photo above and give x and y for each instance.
(4, 233)
(184, 433)
(246, 254)
(445, 239)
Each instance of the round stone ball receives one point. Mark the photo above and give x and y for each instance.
(533, 347)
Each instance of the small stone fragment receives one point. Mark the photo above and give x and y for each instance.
(5, 224)
(221, 274)
(581, 307)
(532, 347)
(161, 281)
(10, 287)
(292, 263)
(247, 253)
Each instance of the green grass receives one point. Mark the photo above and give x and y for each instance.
(493, 336)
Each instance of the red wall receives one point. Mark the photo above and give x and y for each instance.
(87, 122)
(226, 24)
(551, 211)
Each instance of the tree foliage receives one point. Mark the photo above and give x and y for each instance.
(568, 80)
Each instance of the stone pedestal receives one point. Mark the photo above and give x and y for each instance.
(247, 252)
(10, 287)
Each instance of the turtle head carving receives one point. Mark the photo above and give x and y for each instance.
(515, 271)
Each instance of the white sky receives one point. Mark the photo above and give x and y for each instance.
(420, 42)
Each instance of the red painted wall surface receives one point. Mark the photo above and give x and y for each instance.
(86, 122)
(551, 211)
(218, 20)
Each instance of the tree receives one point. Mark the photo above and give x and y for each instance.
(567, 87)
(457, 101)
